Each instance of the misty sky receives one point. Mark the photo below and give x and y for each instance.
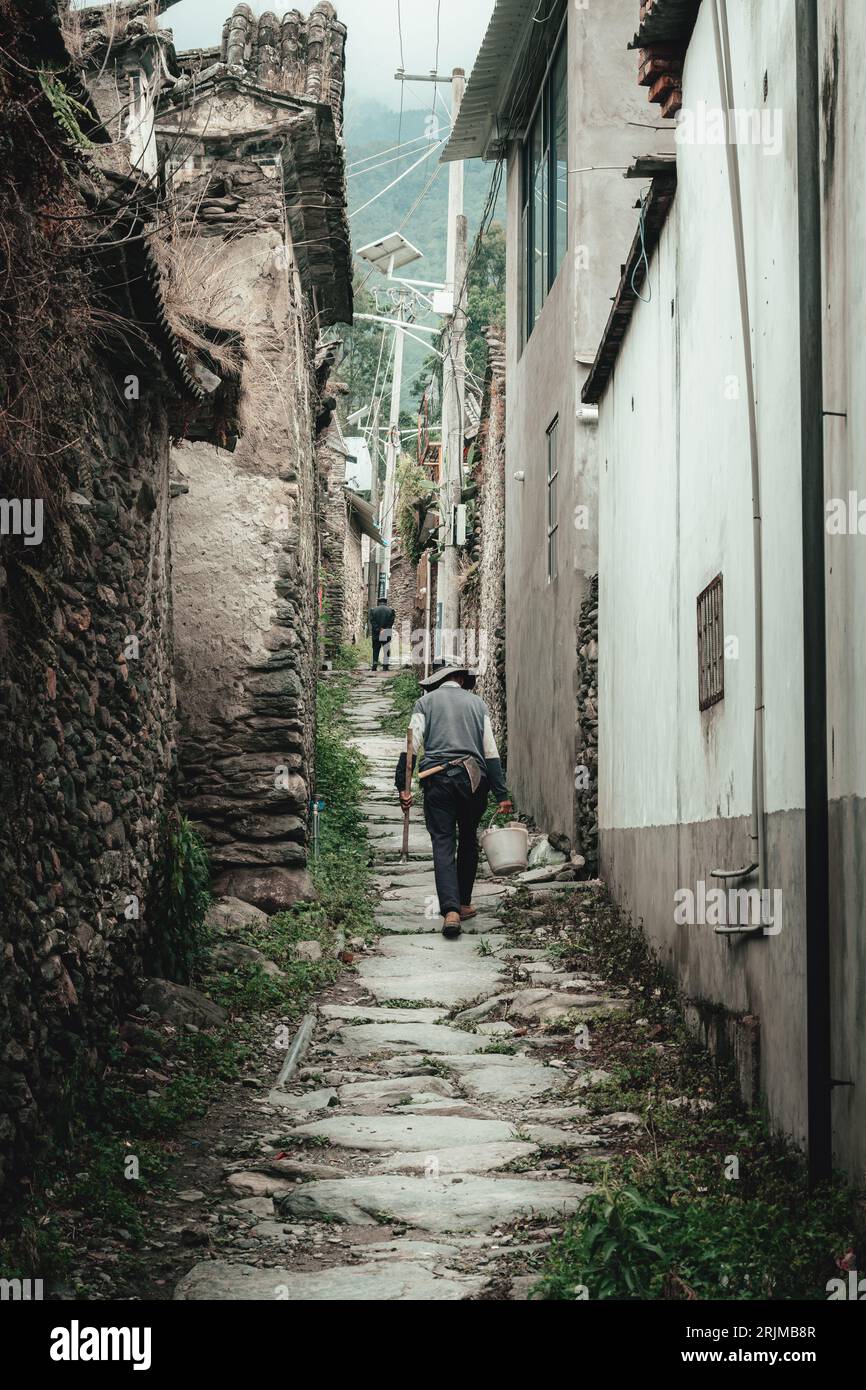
(373, 52)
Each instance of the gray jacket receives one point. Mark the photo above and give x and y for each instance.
(454, 723)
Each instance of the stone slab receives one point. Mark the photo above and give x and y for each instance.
(429, 1038)
(468, 1204)
(405, 1132)
(468, 1158)
(373, 1013)
(379, 1280)
(397, 924)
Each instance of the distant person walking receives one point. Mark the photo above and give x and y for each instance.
(382, 619)
(459, 768)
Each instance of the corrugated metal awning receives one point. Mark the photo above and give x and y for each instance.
(365, 514)
(500, 88)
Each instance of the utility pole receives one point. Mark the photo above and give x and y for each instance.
(453, 383)
(453, 390)
(373, 570)
(393, 450)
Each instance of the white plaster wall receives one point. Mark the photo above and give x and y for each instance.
(675, 509)
(705, 430)
(544, 380)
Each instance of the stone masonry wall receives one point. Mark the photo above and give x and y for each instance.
(88, 736)
(491, 524)
(355, 608)
(246, 547)
(257, 183)
(331, 461)
(586, 731)
(403, 598)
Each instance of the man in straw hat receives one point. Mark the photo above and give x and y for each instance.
(459, 767)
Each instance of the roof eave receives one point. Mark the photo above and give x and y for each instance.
(655, 215)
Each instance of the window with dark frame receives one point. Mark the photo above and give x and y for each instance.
(544, 189)
(711, 645)
(552, 508)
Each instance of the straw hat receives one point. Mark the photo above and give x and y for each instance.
(447, 673)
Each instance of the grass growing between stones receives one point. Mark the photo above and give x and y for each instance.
(701, 1200)
(404, 691)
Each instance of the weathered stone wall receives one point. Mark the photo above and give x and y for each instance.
(355, 608)
(87, 726)
(334, 523)
(403, 598)
(586, 731)
(257, 183)
(246, 566)
(490, 511)
(88, 737)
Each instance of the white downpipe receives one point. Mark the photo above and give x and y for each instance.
(723, 61)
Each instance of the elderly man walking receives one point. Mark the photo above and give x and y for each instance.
(459, 768)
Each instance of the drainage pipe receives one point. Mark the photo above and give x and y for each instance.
(816, 815)
(757, 831)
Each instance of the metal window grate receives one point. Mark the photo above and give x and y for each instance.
(711, 645)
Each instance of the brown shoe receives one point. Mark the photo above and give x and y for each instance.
(467, 912)
(451, 926)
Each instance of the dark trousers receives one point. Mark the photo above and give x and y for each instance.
(451, 813)
(382, 643)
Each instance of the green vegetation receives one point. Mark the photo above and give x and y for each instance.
(179, 900)
(701, 1200)
(68, 112)
(646, 1241)
(404, 691)
(415, 492)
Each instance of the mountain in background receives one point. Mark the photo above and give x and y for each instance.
(370, 128)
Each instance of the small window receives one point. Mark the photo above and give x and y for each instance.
(552, 508)
(711, 645)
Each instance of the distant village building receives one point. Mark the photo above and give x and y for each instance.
(348, 530)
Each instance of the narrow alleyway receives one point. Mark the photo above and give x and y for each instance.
(428, 1116)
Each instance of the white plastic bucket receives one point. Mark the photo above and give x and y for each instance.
(506, 848)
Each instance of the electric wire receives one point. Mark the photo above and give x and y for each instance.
(426, 155)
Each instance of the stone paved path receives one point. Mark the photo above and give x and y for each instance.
(398, 1127)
